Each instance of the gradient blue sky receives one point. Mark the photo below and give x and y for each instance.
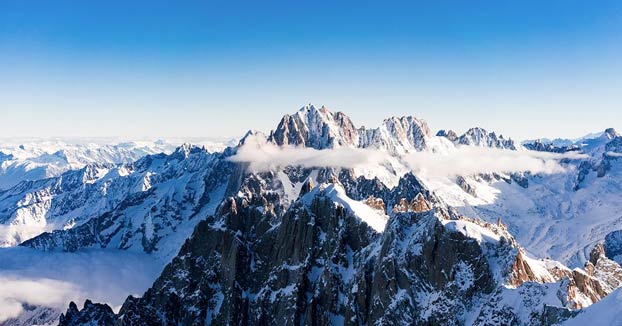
(212, 68)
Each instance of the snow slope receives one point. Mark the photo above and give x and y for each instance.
(152, 205)
(605, 312)
(549, 217)
(111, 229)
(376, 219)
(34, 159)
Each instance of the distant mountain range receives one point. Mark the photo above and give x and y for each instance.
(34, 159)
(528, 234)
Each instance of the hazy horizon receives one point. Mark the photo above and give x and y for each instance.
(104, 139)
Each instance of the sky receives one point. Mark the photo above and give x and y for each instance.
(526, 69)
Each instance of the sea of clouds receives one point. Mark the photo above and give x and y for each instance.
(53, 279)
(461, 160)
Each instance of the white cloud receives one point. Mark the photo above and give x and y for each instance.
(468, 160)
(53, 279)
(263, 156)
(40, 292)
(462, 160)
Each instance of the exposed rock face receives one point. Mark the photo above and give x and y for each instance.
(579, 288)
(5, 157)
(417, 205)
(521, 179)
(248, 273)
(449, 134)
(322, 129)
(615, 145)
(582, 290)
(375, 203)
(283, 247)
(479, 137)
(316, 128)
(606, 151)
(126, 206)
(604, 269)
(466, 187)
(92, 314)
(557, 315)
(613, 245)
(408, 264)
(611, 133)
(398, 135)
(31, 202)
(316, 261)
(306, 187)
(169, 191)
(539, 146)
(522, 272)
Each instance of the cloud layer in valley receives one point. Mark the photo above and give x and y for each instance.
(53, 279)
(469, 160)
(462, 160)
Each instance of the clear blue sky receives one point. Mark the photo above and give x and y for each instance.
(211, 68)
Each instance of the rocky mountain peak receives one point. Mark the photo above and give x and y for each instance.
(407, 132)
(597, 252)
(480, 137)
(334, 255)
(307, 186)
(613, 245)
(5, 157)
(319, 128)
(315, 128)
(185, 149)
(611, 133)
(540, 146)
(322, 129)
(91, 314)
(449, 134)
(249, 134)
(316, 245)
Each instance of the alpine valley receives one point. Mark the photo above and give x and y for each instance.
(317, 222)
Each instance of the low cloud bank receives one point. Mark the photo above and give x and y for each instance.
(468, 160)
(53, 279)
(463, 160)
(264, 156)
(39, 292)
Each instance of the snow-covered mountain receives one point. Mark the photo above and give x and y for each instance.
(82, 217)
(125, 206)
(478, 137)
(321, 260)
(35, 159)
(561, 215)
(563, 142)
(321, 129)
(419, 228)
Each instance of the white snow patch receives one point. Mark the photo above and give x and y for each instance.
(374, 218)
(472, 230)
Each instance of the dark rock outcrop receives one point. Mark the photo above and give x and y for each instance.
(539, 146)
(94, 314)
(613, 245)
